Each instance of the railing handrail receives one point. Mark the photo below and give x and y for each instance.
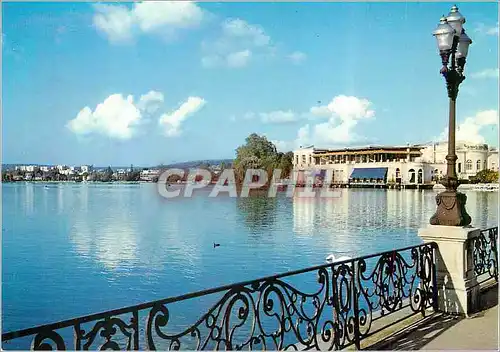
(119, 311)
(489, 228)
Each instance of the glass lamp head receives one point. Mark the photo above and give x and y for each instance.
(456, 20)
(444, 34)
(463, 45)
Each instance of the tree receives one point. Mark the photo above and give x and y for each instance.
(6, 176)
(133, 176)
(53, 175)
(485, 176)
(286, 164)
(108, 175)
(259, 153)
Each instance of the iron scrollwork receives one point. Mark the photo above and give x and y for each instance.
(485, 253)
(269, 313)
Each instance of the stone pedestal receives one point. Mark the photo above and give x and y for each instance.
(458, 289)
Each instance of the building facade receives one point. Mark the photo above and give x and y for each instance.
(472, 157)
(404, 165)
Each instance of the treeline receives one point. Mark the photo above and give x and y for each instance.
(198, 178)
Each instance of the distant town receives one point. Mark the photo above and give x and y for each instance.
(89, 173)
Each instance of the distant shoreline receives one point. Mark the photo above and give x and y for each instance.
(83, 182)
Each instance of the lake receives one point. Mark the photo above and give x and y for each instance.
(75, 249)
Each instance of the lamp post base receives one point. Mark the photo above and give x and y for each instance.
(451, 209)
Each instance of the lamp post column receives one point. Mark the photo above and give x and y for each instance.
(456, 282)
(450, 203)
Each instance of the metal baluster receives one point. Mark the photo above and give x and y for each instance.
(357, 335)
(135, 324)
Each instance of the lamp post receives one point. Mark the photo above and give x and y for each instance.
(453, 45)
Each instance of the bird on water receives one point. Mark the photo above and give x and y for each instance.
(331, 258)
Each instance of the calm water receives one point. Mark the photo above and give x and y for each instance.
(75, 249)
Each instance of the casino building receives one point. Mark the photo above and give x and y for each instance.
(410, 166)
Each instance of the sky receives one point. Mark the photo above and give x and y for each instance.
(163, 82)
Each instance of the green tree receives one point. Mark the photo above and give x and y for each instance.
(485, 176)
(6, 176)
(133, 176)
(108, 175)
(258, 153)
(53, 175)
(286, 164)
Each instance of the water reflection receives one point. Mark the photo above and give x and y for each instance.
(303, 215)
(60, 198)
(258, 212)
(174, 244)
(477, 207)
(84, 198)
(112, 242)
(29, 197)
(109, 237)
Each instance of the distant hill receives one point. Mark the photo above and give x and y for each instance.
(196, 163)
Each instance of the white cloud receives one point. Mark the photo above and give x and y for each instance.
(239, 59)
(344, 113)
(273, 117)
(171, 123)
(278, 117)
(115, 21)
(121, 23)
(282, 146)
(236, 45)
(249, 116)
(470, 129)
(320, 111)
(116, 117)
(151, 101)
(238, 28)
(154, 15)
(297, 57)
(486, 73)
(488, 30)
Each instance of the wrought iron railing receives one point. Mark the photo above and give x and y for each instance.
(486, 255)
(325, 307)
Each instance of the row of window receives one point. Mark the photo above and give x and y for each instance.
(303, 159)
(468, 166)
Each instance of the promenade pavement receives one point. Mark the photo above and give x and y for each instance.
(478, 332)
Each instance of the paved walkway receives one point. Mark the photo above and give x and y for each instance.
(479, 332)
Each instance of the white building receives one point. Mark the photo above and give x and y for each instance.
(303, 158)
(149, 175)
(493, 160)
(85, 169)
(409, 165)
(67, 172)
(27, 168)
(472, 157)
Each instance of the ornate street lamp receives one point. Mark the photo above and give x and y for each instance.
(453, 45)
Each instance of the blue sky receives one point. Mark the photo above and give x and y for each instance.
(156, 83)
